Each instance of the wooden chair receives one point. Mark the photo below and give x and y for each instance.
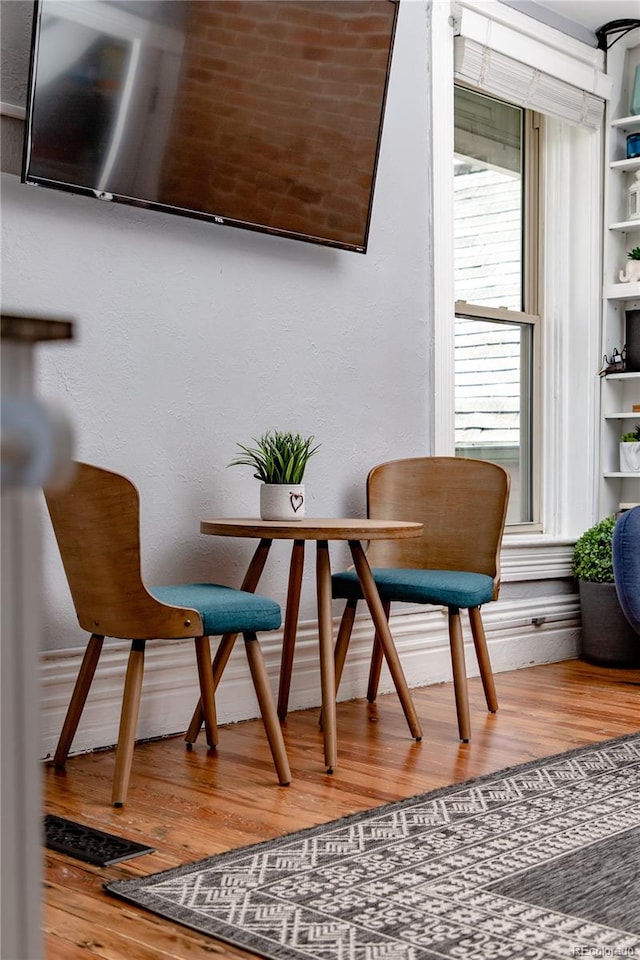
(97, 527)
(455, 563)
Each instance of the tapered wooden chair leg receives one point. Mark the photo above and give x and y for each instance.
(377, 655)
(78, 698)
(484, 663)
(267, 708)
(128, 723)
(249, 583)
(207, 689)
(217, 668)
(459, 674)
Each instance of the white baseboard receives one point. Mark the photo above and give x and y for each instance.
(520, 633)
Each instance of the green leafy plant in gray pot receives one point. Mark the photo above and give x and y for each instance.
(279, 459)
(607, 637)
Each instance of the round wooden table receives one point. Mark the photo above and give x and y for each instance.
(322, 531)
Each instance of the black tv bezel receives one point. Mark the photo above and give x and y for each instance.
(186, 212)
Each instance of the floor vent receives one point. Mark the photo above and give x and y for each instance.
(85, 843)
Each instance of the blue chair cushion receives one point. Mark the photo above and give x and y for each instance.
(451, 588)
(223, 609)
(626, 564)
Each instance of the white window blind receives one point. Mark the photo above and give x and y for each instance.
(501, 76)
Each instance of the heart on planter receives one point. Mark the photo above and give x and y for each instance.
(296, 500)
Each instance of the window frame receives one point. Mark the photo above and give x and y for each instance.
(531, 241)
(502, 314)
(570, 291)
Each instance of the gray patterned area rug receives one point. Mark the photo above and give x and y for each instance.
(536, 862)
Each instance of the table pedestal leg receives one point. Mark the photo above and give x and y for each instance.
(344, 636)
(383, 634)
(256, 566)
(250, 582)
(290, 625)
(327, 665)
(376, 661)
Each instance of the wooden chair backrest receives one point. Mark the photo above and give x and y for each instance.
(96, 521)
(461, 502)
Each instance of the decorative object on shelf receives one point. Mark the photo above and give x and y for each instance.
(632, 338)
(279, 460)
(633, 198)
(631, 274)
(634, 106)
(633, 146)
(630, 451)
(614, 364)
(607, 637)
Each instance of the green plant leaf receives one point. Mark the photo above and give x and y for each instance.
(278, 457)
(593, 555)
(632, 436)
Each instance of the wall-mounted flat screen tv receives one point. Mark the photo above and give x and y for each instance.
(263, 114)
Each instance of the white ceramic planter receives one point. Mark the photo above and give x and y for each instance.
(630, 457)
(282, 501)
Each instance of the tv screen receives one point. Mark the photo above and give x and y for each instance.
(262, 114)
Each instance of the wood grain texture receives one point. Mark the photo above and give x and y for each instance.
(461, 503)
(322, 531)
(96, 521)
(313, 528)
(192, 804)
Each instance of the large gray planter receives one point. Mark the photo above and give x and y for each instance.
(607, 637)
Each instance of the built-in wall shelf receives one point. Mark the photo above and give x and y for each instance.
(627, 124)
(625, 226)
(629, 375)
(631, 163)
(622, 291)
(619, 392)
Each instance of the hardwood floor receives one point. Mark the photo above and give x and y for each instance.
(192, 804)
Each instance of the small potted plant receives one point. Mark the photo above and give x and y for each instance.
(630, 451)
(279, 460)
(607, 637)
(632, 272)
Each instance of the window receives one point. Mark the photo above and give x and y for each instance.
(495, 276)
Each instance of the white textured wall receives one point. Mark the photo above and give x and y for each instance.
(15, 37)
(191, 337)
